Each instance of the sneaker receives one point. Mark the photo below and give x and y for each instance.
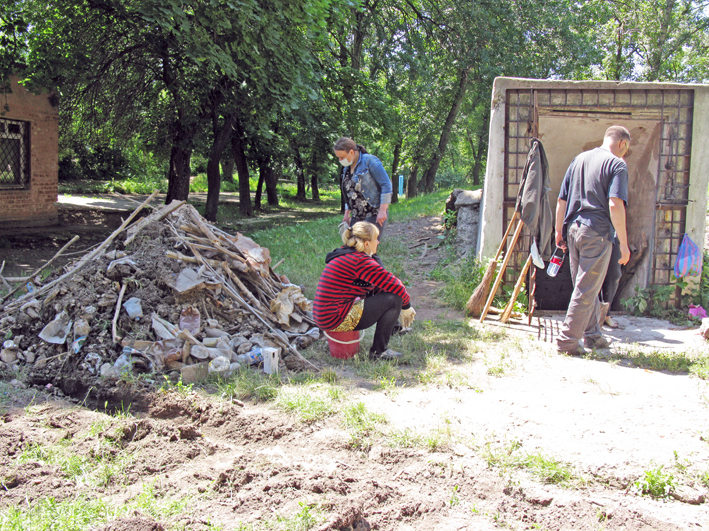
(578, 351)
(598, 343)
(388, 354)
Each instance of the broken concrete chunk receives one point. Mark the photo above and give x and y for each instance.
(195, 373)
(187, 280)
(220, 365)
(164, 329)
(8, 355)
(216, 333)
(31, 308)
(200, 352)
(81, 328)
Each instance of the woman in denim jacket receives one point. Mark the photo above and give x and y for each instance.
(365, 184)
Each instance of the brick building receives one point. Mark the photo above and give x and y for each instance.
(29, 133)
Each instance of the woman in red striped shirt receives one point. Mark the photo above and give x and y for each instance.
(355, 291)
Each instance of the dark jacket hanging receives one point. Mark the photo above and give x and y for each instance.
(533, 199)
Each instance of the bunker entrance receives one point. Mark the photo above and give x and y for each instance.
(569, 121)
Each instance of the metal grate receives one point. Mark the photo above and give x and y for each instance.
(673, 108)
(14, 154)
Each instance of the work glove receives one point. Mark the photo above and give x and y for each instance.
(406, 317)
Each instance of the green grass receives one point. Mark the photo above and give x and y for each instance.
(655, 482)
(694, 362)
(103, 466)
(83, 513)
(362, 424)
(508, 455)
(311, 402)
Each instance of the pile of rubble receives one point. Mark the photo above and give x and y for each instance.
(168, 294)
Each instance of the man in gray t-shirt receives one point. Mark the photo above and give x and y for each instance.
(591, 205)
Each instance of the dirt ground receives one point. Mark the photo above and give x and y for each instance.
(251, 464)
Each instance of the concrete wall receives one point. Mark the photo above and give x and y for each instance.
(36, 205)
(565, 137)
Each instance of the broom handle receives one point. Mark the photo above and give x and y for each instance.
(507, 233)
(498, 279)
(518, 287)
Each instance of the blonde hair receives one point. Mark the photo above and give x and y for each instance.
(359, 233)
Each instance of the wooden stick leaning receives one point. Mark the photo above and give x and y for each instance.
(2, 268)
(114, 323)
(518, 287)
(500, 274)
(73, 240)
(476, 302)
(92, 255)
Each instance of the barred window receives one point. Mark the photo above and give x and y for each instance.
(14, 154)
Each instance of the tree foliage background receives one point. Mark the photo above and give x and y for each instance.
(265, 86)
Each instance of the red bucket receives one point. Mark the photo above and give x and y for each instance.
(343, 345)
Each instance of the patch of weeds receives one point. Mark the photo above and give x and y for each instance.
(549, 469)
(388, 385)
(502, 456)
(691, 361)
(498, 363)
(434, 364)
(656, 483)
(375, 370)
(682, 465)
(307, 518)
(328, 375)
(406, 438)
(99, 468)
(249, 384)
(703, 478)
(122, 412)
(362, 424)
(180, 388)
(455, 499)
(310, 403)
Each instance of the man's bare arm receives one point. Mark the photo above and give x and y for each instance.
(560, 214)
(617, 207)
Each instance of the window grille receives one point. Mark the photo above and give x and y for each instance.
(14, 154)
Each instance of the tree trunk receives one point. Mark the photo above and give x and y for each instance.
(242, 169)
(481, 147)
(270, 180)
(300, 174)
(314, 191)
(259, 187)
(411, 190)
(395, 170)
(430, 176)
(221, 138)
(228, 170)
(178, 177)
